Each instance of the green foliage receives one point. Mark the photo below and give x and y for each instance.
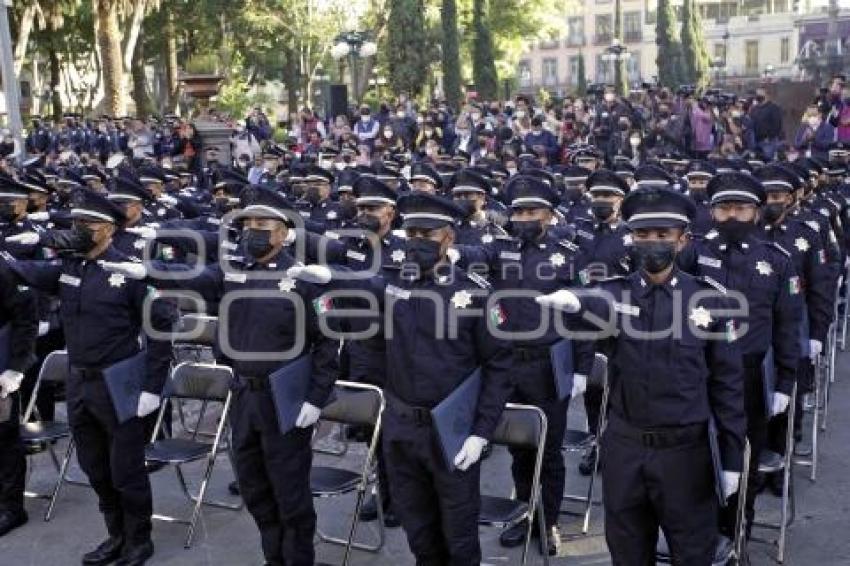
(669, 49)
(236, 97)
(450, 53)
(203, 64)
(694, 51)
(406, 49)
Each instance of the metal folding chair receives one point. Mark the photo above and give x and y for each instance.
(771, 462)
(209, 383)
(521, 426)
(194, 342)
(39, 435)
(820, 377)
(358, 404)
(579, 440)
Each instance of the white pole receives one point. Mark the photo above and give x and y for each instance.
(10, 80)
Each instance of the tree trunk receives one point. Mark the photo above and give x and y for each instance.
(171, 78)
(137, 72)
(450, 52)
(290, 78)
(55, 75)
(109, 40)
(25, 27)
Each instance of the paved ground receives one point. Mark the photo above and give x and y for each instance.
(228, 538)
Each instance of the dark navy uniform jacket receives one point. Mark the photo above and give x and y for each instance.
(268, 324)
(688, 372)
(763, 272)
(102, 313)
(18, 309)
(604, 250)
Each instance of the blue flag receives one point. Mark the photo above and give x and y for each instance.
(561, 356)
(289, 386)
(124, 381)
(454, 416)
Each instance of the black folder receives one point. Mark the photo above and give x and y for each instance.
(289, 386)
(561, 355)
(124, 381)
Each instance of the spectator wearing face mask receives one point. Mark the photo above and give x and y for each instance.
(702, 128)
(243, 142)
(403, 125)
(815, 135)
(541, 141)
(840, 116)
(767, 123)
(430, 131)
(367, 128)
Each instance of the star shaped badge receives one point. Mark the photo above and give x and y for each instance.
(486, 238)
(139, 244)
(331, 215)
(286, 285)
(116, 280)
(461, 299)
(397, 256)
(763, 268)
(801, 244)
(700, 317)
(627, 240)
(557, 259)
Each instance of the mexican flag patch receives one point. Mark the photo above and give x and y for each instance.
(322, 305)
(497, 315)
(731, 331)
(794, 285)
(822, 256)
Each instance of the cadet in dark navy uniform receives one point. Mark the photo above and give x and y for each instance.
(733, 255)
(698, 175)
(470, 189)
(102, 315)
(325, 212)
(273, 469)
(673, 365)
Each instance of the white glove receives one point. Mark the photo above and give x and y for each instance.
(144, 232)
(10, 381)
(779, 403)
(470, 452)
(815, 348)
(43, 327)
(730, 483)
(308, 415)
(38, 216)
(579, 384)
(562, 300)
(128, 268)
(310, 273)
(25, 238)
(453, 255)
(148, 403)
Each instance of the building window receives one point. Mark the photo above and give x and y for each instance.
(524, 74)
(631, 27)
(752, 60)
(604, 29)
(550, 72)
(573, 75)
(633, 67)
(604, 71)
(785, 50)
(575, 31)
(720, 52)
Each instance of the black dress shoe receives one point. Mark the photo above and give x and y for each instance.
(515, 535)
(10, 520)
(775, 483)
(106, 553)
(369, 510)
(233, 488)
(553, 541)
(390, 520)
(588, 461)
(136, 555)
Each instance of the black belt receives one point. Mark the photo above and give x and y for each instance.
(88, 373)
(255, 382)
(659, 438)
(531, 353)
(419, 416)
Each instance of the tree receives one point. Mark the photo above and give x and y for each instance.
(581, 80)
(450, 53)
(484, 73)
(621, 77)
(669, 48)
(694, 51)
(405, 49)
(108, 35)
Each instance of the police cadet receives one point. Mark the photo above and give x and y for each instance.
(673, 365)
(18, 314)
(470, 189)
(102, 315)
(439, 334)
(575, 203)
(734, 255)
(324, 212)
(273, 469)
(425, 178)
(698, 175)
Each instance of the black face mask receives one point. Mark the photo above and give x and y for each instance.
(422, 252)
(773, 212)
(526, 230)
(653, 257)
(256, 243)
(368, 223)
(312, 195)
(349, 209)
(602, 210)
(572, 195)
(7, 212)
(734, 231)
(81, 238)
(222, 206)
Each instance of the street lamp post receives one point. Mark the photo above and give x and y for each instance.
(354, 45)
(617, 53)
(717, 65)
(10, 81)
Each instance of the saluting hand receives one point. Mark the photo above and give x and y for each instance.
(25, 238)
(318, 274)
(127, 268)
(562, 300)
(144, 232)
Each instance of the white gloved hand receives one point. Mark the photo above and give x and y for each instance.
(128, 268)
(144, 232)
(730, 483)
(43, 327)
(38, 216)
(453, 255)
(579, 384)
(779, 403)
(148, 403)
(562, 300)
(308, 415)
(470, 452)
(815, 348)
(25, 238)
(10, 381)
(318, 274)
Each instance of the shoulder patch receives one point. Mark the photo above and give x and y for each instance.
(775, 245)
(568, 245)
(813, 225)
(711, 283)
(711, 234)
(478, 279)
